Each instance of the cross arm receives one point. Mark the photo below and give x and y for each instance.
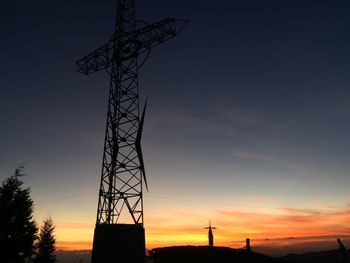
(99, 59)
(159, 32)
(133, 44)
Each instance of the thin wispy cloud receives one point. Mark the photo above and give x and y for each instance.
(236, 115)
(272, 159)
(289, 222)
(225, 122)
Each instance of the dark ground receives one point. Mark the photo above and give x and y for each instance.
(203, 254)
(330, 256)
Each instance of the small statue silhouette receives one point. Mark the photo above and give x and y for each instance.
(342, 251)
(247, 245)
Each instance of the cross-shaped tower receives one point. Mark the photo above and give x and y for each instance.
(123, 171)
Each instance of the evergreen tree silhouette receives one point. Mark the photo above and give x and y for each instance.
(17, 227)
(46, 245)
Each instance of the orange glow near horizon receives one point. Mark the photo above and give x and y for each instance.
(74, 245)
(289, 226)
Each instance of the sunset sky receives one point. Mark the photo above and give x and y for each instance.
(248, 119)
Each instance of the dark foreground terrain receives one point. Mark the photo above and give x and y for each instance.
(203, 254)
(330, 256)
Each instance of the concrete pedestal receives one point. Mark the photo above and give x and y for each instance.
(119, 243)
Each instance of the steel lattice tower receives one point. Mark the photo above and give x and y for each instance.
(123, 171)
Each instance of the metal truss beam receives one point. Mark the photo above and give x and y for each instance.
(123, 170)
(134, 43)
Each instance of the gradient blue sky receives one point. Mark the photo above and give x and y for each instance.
(248, 107)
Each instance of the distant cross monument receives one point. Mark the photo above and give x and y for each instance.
(210, 234)
(119, 232)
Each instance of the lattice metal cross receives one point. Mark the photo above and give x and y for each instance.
(123, 171)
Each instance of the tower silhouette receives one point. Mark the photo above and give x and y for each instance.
(119, 232)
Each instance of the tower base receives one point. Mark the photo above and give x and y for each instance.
(122, 243)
